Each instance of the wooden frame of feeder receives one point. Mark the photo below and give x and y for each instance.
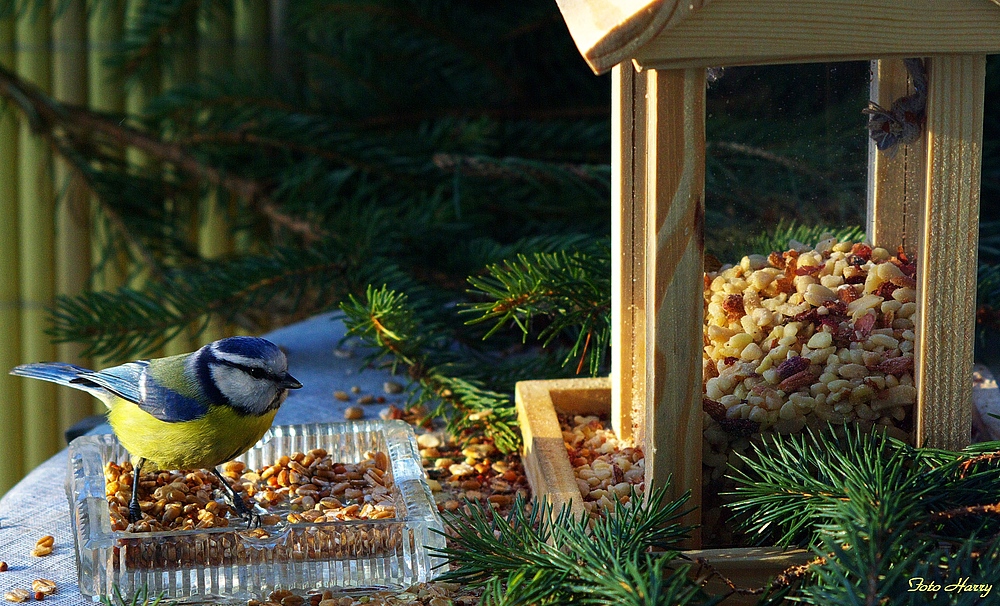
(925, 197)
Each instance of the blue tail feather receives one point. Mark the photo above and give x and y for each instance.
(61, 373)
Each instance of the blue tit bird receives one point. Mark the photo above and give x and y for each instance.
(190, 411)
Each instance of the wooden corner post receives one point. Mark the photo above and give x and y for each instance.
(670, 427)
(628, 245)
(895, 180)
(947, 251)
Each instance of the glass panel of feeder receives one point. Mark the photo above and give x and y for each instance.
(785, 143)
(988, 325)
(807, 326)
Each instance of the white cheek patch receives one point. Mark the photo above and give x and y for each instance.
(243, 392)
(231, 381)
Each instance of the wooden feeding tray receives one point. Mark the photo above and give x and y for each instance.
(924, 197)
(550, 473)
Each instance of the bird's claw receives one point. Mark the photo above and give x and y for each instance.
(252, 519)
(134, 512)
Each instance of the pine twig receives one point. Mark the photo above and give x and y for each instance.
(971, 510)
(47, 115)
(794, 574)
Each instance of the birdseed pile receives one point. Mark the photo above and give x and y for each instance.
(804, 338)
(606, 468)
(310, 487)
(478, 473)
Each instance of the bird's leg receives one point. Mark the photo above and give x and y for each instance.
(252, 518)
(134, 511)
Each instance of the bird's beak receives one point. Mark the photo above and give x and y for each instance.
(289, 382)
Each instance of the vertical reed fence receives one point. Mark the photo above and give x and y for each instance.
(53, 234)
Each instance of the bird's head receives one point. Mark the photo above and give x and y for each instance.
(248, 373)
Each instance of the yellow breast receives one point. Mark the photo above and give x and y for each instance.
(203, 443)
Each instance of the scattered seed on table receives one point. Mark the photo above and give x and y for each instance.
(43, 586)
(392, 387)
(3, 566)
(366, 399)
(16, 595)
(353, 413)
(39, 596)
(341, 395)
(428, 440)
(355, 389)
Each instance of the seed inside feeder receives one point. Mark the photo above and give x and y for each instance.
(802, 339)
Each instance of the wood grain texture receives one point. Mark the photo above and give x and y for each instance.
(628, 223)
(895, 181)
(546, 463)
(946, 265)
(608, 32)
(671, 430)
(748, 32)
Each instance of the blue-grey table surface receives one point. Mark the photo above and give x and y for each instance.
(38, 506)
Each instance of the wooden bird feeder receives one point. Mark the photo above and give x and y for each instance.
(925, 198)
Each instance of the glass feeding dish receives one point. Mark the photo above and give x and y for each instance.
(232, 564)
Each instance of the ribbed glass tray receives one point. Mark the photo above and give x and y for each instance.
(230, 565)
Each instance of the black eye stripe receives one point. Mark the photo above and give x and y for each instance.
(253, 371)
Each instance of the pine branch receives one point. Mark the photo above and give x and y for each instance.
(877, 512)
(386, 320)
(75, 126)
(546, 557)
(571, 290)
(144, 39)
(769, 156)
(129, 323)
(517, 168)
(988, 298)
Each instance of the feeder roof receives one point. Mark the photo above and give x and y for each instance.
(704, 33)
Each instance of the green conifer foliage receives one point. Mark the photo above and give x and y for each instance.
(439, 170)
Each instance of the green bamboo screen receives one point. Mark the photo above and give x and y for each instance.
(52, 231)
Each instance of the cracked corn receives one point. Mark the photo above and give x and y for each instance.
(805, 338)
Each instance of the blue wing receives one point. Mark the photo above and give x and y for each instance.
(132, 382)
(168, 405)
(129, 382)
(124, 381)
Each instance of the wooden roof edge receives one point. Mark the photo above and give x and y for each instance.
(608, 32)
